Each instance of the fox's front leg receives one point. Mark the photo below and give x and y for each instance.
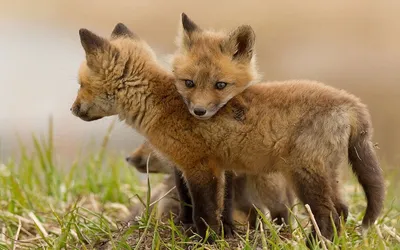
(227, 214)
(205, 182)
(186, 212)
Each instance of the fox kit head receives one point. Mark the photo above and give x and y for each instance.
(108, 70)
(139, 157)
(211, 68)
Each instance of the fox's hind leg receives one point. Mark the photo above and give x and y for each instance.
(335, 160)
(312, 186)
(340, 205)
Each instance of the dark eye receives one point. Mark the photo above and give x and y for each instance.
(189, 83)
(220, 85)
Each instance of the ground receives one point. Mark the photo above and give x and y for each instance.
(87, 206)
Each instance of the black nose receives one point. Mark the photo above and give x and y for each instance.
(199, 111)
(135, 160)
(75, 108)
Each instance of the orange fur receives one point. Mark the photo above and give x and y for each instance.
(207, 58)
(301, 129)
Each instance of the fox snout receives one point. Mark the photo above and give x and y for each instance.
(200, 111)
(138, 162)
(143, 155)
(203, 113)
(201, 107)
(75, 109)
(78, 111)
(82, 111)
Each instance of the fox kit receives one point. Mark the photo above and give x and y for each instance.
(301, 129)
(268, 191)
(170, 203)
(144, 152)
(207, 85)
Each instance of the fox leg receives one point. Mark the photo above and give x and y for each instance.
(186, 211)
(227, 213)
(280, 216)
(242, 200)
(282, 213)
(206, 185)
(276, 201)
(340, 205)
(313, 188)
(250, 211)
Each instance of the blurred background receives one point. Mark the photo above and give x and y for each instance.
(354, 45)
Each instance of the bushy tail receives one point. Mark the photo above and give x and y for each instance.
(366, 167)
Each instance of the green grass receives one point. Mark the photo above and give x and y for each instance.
(84, 206)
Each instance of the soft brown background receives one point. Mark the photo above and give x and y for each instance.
(353, 45)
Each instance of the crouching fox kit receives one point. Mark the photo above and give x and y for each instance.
(268, 191)
(301, 129)
(169, 202)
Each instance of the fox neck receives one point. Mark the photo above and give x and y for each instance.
(141, 101)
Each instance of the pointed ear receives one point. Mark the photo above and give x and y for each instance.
(240, 44)
(92, 42)
(94, 47)
(185, 33)
(121, 30)
(188, 25)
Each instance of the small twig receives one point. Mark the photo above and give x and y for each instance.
(3, 233)
(26, 221)
(391, 233)
(38, 224)
(20, 246)
(94, 203)
(17, 234)
(263, 240)
(378, 231)
(321, 238)
(81, 201)
(169, 191)
(11, 215)
(30, 240)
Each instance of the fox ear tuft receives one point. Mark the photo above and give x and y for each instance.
(186, 31)
(94, 46)
(120, 30)
(240, 43)
(188, 25)
(92, 42)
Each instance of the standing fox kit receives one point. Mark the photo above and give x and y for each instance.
(268, 191)
(301, 129)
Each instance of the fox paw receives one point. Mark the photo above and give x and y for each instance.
(184, 222)
(229, 228)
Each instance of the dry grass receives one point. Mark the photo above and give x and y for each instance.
(86, 207)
